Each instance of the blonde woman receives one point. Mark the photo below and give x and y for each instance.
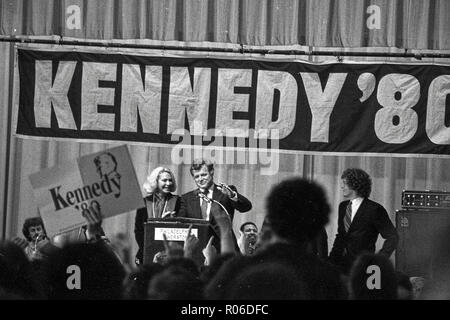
(160, 202)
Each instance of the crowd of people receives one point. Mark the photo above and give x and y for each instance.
(286, 259)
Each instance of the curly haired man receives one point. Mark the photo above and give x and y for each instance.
(360, 221)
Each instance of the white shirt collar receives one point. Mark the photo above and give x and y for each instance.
(357, 201)
(355, 205)
(209, 192)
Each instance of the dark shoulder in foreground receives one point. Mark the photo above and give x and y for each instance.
(322, 281)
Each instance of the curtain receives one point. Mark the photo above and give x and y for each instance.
(412, 24)
(5, 91)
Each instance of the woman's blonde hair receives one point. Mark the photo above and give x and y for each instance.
(151, 184)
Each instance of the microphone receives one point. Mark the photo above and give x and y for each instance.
(251, 247)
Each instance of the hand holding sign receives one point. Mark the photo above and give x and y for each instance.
(94, 218)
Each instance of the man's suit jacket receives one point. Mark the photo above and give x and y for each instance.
(190, 207)
(370, 220)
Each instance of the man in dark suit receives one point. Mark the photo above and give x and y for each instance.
(193, 204)
(360, 222)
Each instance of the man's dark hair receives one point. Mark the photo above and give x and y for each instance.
(358, 180)
(246, 223)
(31, 222)
(197, 164)
(297, 210)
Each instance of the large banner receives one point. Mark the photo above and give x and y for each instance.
(106, 177)
(335, 108)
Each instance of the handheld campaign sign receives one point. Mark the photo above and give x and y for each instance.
(107, 177)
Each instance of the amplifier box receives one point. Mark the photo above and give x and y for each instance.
(420, 237)
(425, 200)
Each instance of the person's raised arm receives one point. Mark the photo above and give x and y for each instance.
(190, 243)
(223, 221)
(94, 218)
(209, 252)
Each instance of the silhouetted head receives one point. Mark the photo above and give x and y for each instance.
(297, 210)
(175, 283)
(267, 281)
(372, 277)
(136, 285)
(17, 278)
(85, 271)
(184, 263)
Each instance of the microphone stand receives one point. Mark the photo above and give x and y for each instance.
(205, 198)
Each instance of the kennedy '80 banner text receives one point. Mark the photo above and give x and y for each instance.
(324, 108)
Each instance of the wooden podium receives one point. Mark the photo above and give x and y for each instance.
(175, 230)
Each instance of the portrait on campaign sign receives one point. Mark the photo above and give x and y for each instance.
(114, 171)
(106, 177)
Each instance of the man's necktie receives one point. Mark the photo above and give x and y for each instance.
(348, 216)
(204, 207)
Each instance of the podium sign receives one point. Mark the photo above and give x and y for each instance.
(174, 234)
(175, 230)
